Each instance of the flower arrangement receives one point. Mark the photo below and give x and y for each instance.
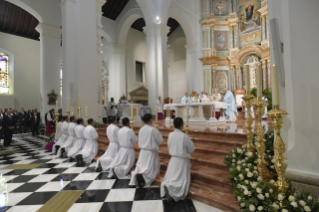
(97, 125)
(51, 138)
(255, 194)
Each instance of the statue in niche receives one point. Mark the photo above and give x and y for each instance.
(249, 12)
(52, 98)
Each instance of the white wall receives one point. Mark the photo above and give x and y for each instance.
(26, 72)
(299, 30)
(136, 51)
(177, 65)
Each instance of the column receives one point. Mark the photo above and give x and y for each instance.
(231, 37)
(267, 27)
(235, 36)
(156, 37)
(238, 77)
(214, 75)
(191, 61)
(207, 72)
(234, 6)
(50, 60)
(205, 8)
(231, 6)
(264, 74)
(212, 35)
(244, 76)
(231, 69)
(263, 28)
(269, 73)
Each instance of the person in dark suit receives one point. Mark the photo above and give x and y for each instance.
(14, 115)
(23, 117)
(35, 122)
(60, 114)
(1, 125)
(29, 129)
(9, 123)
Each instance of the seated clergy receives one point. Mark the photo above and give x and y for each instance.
(125, 159)
(79, 140)
(231, 111)
(91, 148)
(104, 162)
(66, 146)
(64, 136)
(186, 98)
(265, 110)
(216, 95)
(148, 164)
(177, 178)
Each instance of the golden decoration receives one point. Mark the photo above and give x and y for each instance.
(264, 173)
(249, 120)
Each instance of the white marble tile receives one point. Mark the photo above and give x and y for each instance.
(2, 166)
(1, 161)
(65, 165)
(9, 177)
(120, 195)
(86, 176)
(86, 207)
(58, 160)
(74, 170)
(53, 186)
(92, 164)
(25, 208)
(12, 186)
(36, 171)
(4, 171)
(15, 198)
(49, 157)
(204, 208)
(18, 154)
(144, 206)
(101, 184)
(21, 158)
(28, 161)
(43, 178)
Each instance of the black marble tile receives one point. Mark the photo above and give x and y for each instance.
(180, 206)
(23, 178)
(116, 206)
(77, 185)
(121, 184)
(17, 172)
(28, 187)
(102, 176)
(37, 198)
(147, 194)
(65, 177)
(89, 170)
(47, 165)
(8, 162)
(93, 196)
(55, 171)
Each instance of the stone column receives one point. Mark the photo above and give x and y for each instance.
(234, 6)
(263, 28)
(244, 76)
(207, 72)
(238, 77)
(212, 36)
(231, 6)
(50, 61)
(191, 61)
(235, 36)
(267, 27)
(269, 73)
(231, 69)
(214, 75)
(231, 37)
(205, 8)
(264, 74)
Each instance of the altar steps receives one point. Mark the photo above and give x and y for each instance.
(209, 175)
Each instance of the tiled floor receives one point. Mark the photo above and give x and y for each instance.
(36, 179)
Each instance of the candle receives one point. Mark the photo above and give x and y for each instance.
(275, 85)
(56, 105)
(259, 81)
(68, 104)
(132, 111)
(169, 101)
(156, 117)
(86, 111)
(247, 77)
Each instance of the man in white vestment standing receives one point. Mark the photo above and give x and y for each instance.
(177, 178)
(125, 159)
(79, 140)
(104, 162)
(265, 110)
(186, 99)
(231, 111)
(91, 148)
(159, 105)
(148, 164)
(63, 137)
(66, 146)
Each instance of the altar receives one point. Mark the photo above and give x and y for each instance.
(128, 110)
(199, 113)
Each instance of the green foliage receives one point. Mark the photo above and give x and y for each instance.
(97, 125)
(51, 138)
(254, 92)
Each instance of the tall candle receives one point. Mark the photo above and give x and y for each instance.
(156, 114)
(86, 111)
(275, 85)
(132, 110)
(68, 104)
(56, 105)
(259, 81)
(247, 77)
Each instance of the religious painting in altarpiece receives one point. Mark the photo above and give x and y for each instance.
(222, 81)
(221, 40)
(249, 22)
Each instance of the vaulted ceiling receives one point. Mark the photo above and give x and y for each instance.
(16, 21)
(139, 24)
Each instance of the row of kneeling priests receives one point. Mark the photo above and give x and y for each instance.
(119, 158)
(75, 140)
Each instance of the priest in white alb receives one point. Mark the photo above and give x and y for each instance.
(79, 142)
(58, 133)
(177, 178)
(104, 162)
(66, 146)
(231, 111)
(64, 136)
(91, 148)
(125, 159)
(148, 164)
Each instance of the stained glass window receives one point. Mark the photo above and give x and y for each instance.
(61, 79)
(4, 73)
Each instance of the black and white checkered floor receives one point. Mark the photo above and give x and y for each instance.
(34, 177)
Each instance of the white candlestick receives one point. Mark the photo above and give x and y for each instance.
(275, 85)
(247, 77)
(259, 81)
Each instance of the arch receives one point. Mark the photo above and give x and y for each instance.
(184, 21)
(126, 22)
(27, 8)
(245, 51)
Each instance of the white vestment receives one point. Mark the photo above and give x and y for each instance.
(106, 159)
(64, 136)
(177, 177)
(125, 158)
(58, 132)
(159, 106)
(148, 163)
(68, 143)
(91, 148)
(79, 141)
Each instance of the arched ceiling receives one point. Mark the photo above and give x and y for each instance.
(16, 21)
(113, 8)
